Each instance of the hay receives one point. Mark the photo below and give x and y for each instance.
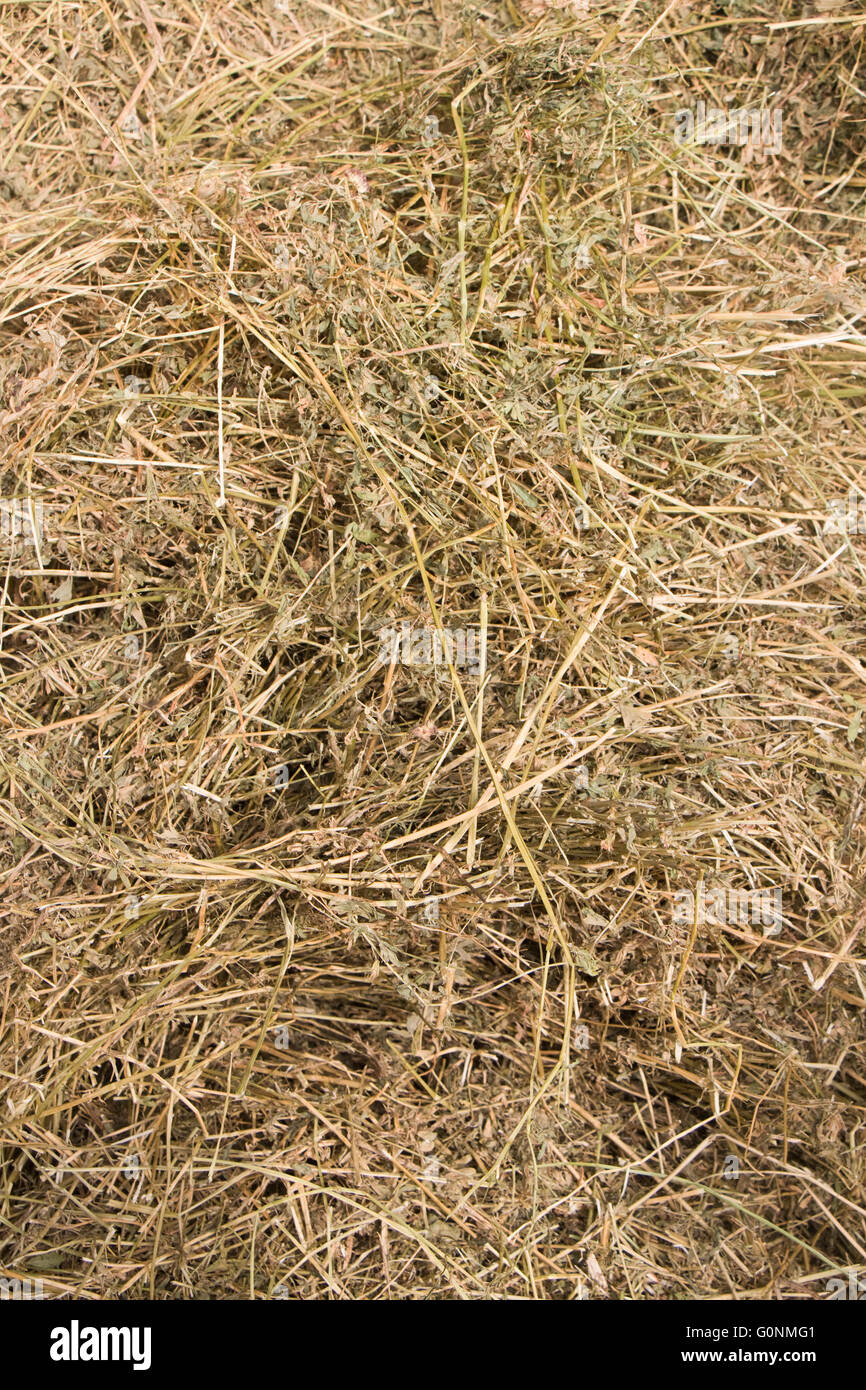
(335, 965)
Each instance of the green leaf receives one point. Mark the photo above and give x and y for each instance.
(586, 961)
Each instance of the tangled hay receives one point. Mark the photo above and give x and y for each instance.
(335, 963)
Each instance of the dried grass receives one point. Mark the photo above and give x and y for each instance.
(319, 318)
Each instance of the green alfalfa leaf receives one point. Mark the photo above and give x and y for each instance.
(585, 961)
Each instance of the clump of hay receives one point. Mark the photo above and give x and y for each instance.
(332, 976)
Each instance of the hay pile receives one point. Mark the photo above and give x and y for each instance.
(331, 974)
